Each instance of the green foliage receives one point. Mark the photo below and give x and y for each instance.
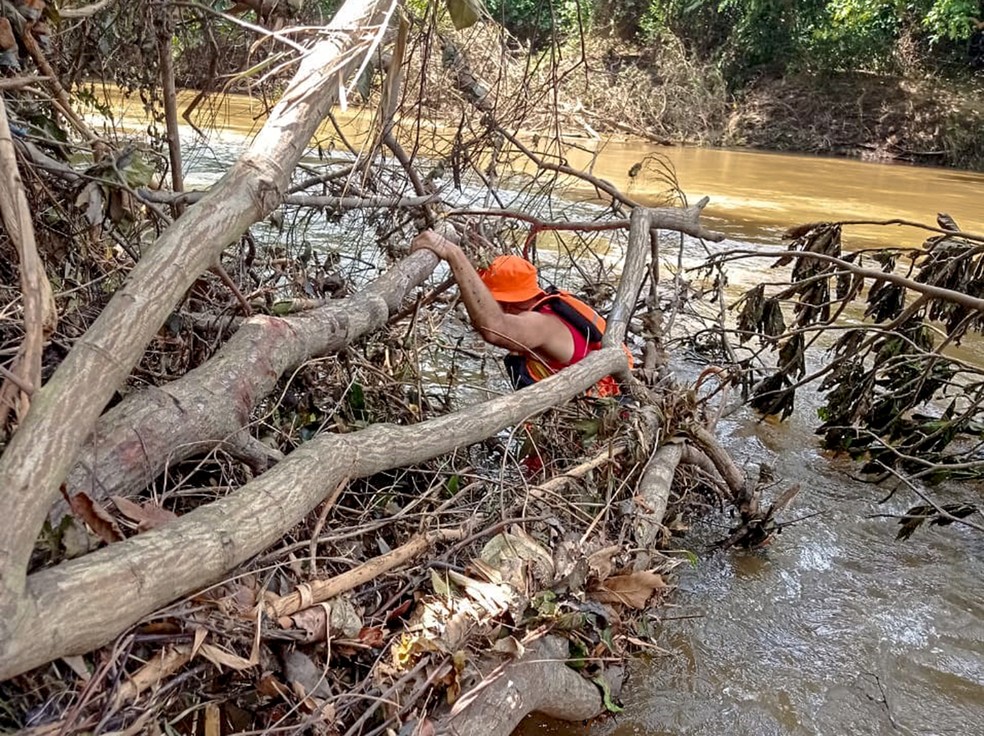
(951, 19)
(751, 37)
(540, 22)
(464, 13)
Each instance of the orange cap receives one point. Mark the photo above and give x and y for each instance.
(511, 279)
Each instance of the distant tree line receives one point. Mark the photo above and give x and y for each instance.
(751, 38)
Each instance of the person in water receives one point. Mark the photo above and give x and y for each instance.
(543, 330)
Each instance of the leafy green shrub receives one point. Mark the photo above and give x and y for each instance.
(540, 22)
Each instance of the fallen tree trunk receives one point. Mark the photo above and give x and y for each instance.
(135, 441)
(64, 609)
(538, 682)
(84, 603)
(61, 417)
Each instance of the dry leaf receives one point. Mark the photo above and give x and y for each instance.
(95, 517)
(337, 617)
(372, 636)
(200, 633)
(221, 658)
(128, 508)
(270, 687)
(148, 516)
(511, 646)
(634, 589)
(213, 720)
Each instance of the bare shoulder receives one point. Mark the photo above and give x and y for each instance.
(545, 332)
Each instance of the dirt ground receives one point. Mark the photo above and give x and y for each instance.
(860, 115)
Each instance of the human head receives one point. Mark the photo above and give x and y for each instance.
(512, 281)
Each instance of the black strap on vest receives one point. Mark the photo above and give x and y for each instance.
(570, 315)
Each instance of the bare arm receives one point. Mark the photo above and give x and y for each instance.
(530, 331)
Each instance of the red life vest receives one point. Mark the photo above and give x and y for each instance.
(526, 369)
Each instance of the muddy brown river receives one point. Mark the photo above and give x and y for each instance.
(836, 629)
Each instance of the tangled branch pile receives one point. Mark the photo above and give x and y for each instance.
(246, 479)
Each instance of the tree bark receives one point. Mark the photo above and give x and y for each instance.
(654, 491)
(135, 441)
(84, 603)
(62, 416)
(538, 682)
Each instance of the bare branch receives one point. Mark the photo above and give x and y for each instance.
(935, 292)
(40, 314)
(86, 11)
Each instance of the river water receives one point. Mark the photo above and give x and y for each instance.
(837, 628)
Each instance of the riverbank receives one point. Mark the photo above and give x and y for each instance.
(663, 94)
(866, 116)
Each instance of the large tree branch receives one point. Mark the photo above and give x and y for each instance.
(137, 439)
(67, 605)
(46, 444)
